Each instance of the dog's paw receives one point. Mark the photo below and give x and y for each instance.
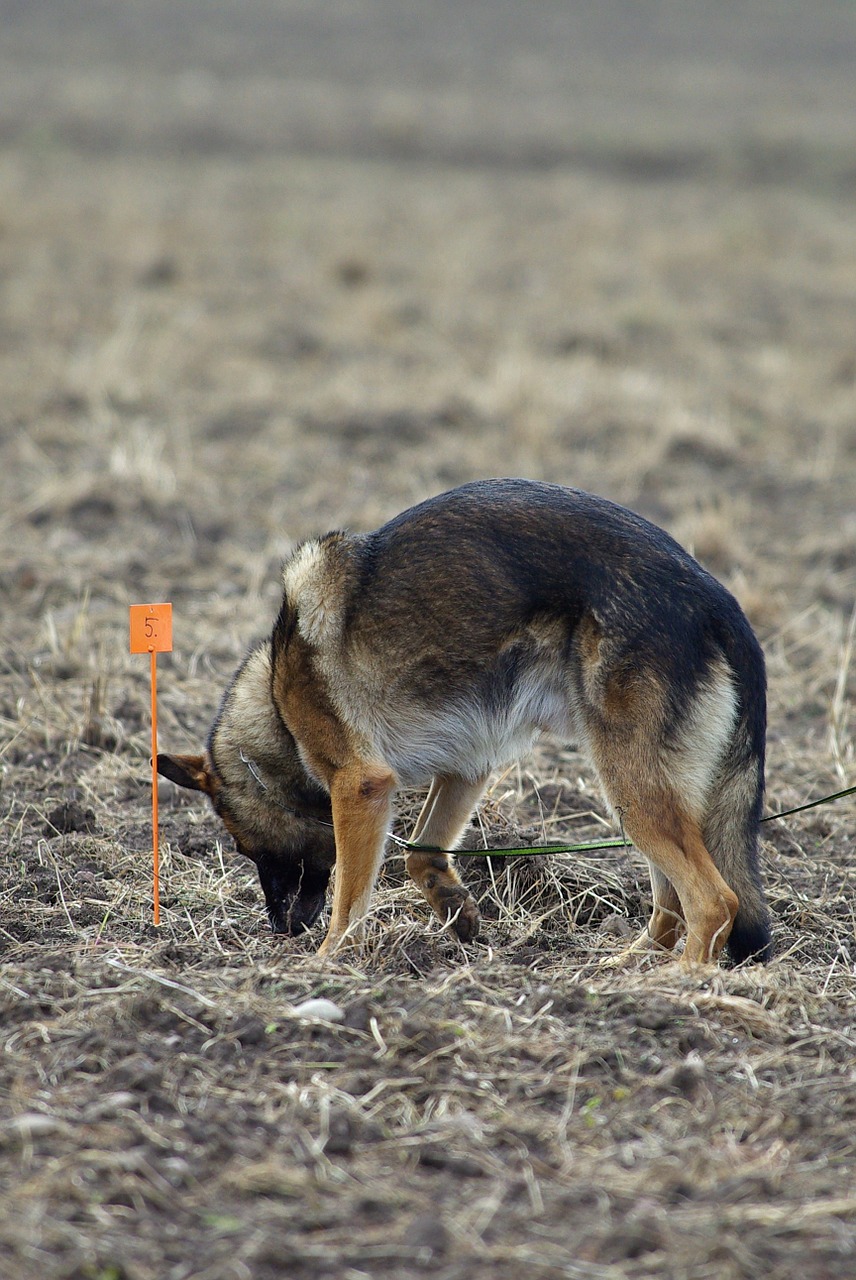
(459, 911)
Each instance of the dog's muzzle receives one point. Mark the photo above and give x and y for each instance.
(294, 895)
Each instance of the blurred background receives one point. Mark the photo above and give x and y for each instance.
(269, 268)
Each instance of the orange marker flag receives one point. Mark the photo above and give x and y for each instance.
(151, 632)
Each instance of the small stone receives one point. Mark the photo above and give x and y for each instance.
(32, 1124)
(320, 1010)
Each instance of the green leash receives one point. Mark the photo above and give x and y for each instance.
(812, 804)
(590, 846)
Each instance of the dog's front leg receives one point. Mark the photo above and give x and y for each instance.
(361, 796)
(444, 815)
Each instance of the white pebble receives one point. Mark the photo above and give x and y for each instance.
(322, 1010)
(32, 1125)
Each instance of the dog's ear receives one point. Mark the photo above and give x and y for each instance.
(186, 771)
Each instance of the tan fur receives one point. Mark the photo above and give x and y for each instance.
(362, 808)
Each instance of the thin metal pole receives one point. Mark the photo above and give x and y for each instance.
(155, 851)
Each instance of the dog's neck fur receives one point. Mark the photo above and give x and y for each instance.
(255, 773)
(250, 729)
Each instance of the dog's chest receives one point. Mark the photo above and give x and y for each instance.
(467, 735)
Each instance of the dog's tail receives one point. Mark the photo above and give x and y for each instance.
(732, 822)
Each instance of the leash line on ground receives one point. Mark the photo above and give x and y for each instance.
(591, 846)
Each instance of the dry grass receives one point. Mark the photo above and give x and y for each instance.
(209, 353)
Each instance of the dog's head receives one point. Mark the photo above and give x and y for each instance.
(277, 815)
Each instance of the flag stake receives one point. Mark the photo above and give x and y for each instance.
(151, 633)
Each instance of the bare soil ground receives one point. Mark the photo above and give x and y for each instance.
(269, 269)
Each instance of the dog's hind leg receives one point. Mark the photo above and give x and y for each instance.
(361, 797)
(658, 753)
(664, 928)
(667, 921)
(672, 842)
(444, 815)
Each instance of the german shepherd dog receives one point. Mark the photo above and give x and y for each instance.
(437, 649)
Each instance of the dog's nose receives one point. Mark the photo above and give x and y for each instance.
(295, 915)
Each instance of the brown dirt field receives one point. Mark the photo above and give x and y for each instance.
(268, 269)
